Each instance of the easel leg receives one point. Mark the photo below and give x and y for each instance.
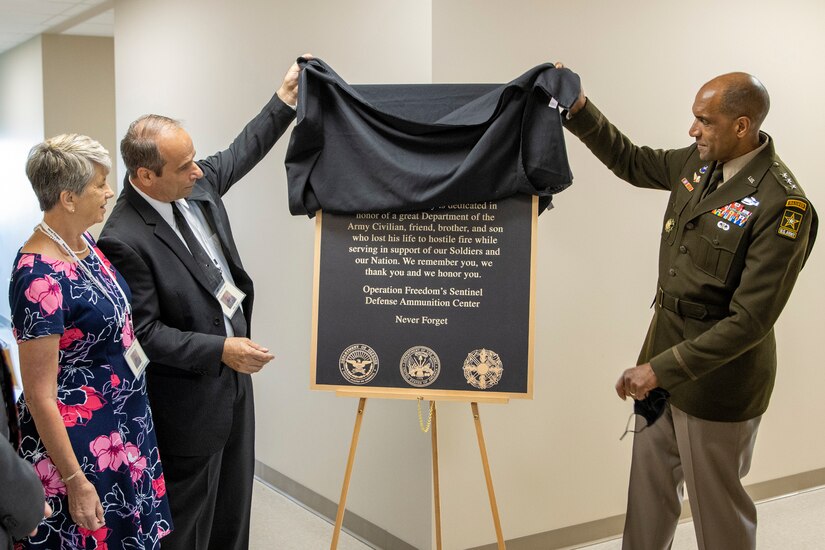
(488, 477)
(342, 503)
(436, 494)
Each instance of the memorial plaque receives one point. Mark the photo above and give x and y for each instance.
(437, 301)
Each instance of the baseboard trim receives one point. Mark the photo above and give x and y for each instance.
(355, 525)
(611, 527)
(566, 537)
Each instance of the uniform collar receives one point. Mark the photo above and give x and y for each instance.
(734, 166)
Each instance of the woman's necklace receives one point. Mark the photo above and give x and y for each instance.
(81, 251)
(76, 252)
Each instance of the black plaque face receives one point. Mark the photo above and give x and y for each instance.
(431, 301)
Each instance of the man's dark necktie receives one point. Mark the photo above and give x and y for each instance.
(714, 180)
(211, 271)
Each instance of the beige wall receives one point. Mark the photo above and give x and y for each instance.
(79, 89)
(556, 460)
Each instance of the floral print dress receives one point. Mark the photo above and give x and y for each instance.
(104, 408)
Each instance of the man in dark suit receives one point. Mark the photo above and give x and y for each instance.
(21, 499)
(169, 235)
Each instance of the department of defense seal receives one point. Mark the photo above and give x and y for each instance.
(358, 364)
(420, 366)
(483, 368)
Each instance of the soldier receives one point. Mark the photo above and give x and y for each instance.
(735, 235)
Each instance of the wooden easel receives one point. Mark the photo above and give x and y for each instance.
(362, 403)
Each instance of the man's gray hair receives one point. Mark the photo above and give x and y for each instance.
(139, 147)
(67, 162)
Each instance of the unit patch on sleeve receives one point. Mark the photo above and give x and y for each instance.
(791, 219)
(796, 203)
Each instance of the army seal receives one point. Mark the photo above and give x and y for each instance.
(420, 366)
(483, 368)
(358, 364)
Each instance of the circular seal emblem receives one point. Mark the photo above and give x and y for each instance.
(358, 364)
(483, 368)
(420, 366)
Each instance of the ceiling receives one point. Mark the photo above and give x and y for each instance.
(21, 20)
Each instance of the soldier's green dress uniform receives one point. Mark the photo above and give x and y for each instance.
(728, 262)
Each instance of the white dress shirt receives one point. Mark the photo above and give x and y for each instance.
(203, 232)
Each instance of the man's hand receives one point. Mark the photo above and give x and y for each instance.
(637, 382)
(288, 92)
(47, 513)
(244, 355)
(582, 99)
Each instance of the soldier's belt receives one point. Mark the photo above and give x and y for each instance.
(693, 310)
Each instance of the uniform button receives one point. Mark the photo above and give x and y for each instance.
(216, 321)
(683, 249)
(716, 240)
(689, 225)
(672, 272)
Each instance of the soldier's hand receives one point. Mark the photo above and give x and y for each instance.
(288, 92)
(244, 355)
(580, 101)
(637, 382)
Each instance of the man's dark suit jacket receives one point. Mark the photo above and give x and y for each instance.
(178, 320)
(21, 493)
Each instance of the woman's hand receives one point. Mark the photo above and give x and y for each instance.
(84, 504)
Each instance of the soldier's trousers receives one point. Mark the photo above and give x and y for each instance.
(710, 458)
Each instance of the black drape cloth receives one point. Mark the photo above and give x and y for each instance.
(417, 146)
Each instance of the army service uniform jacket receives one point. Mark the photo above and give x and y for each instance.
(727, 265)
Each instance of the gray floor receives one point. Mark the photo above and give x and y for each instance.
(280, 524)
(794, 522)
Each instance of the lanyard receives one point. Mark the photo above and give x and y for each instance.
(52, 234)
(205, 241)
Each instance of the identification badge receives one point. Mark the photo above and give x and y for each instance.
(136, 359)
(230, 298)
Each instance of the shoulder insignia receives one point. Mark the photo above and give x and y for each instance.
(785, 178)
(791, 219)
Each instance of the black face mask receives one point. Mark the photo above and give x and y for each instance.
(651, 408)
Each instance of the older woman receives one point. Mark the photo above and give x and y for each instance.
(85, 419)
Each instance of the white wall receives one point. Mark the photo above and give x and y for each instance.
(213, 64)
(21, 126)
(556, 460)
(21, 91)
(641, 62)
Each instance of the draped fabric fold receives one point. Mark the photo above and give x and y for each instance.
(403, 147)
